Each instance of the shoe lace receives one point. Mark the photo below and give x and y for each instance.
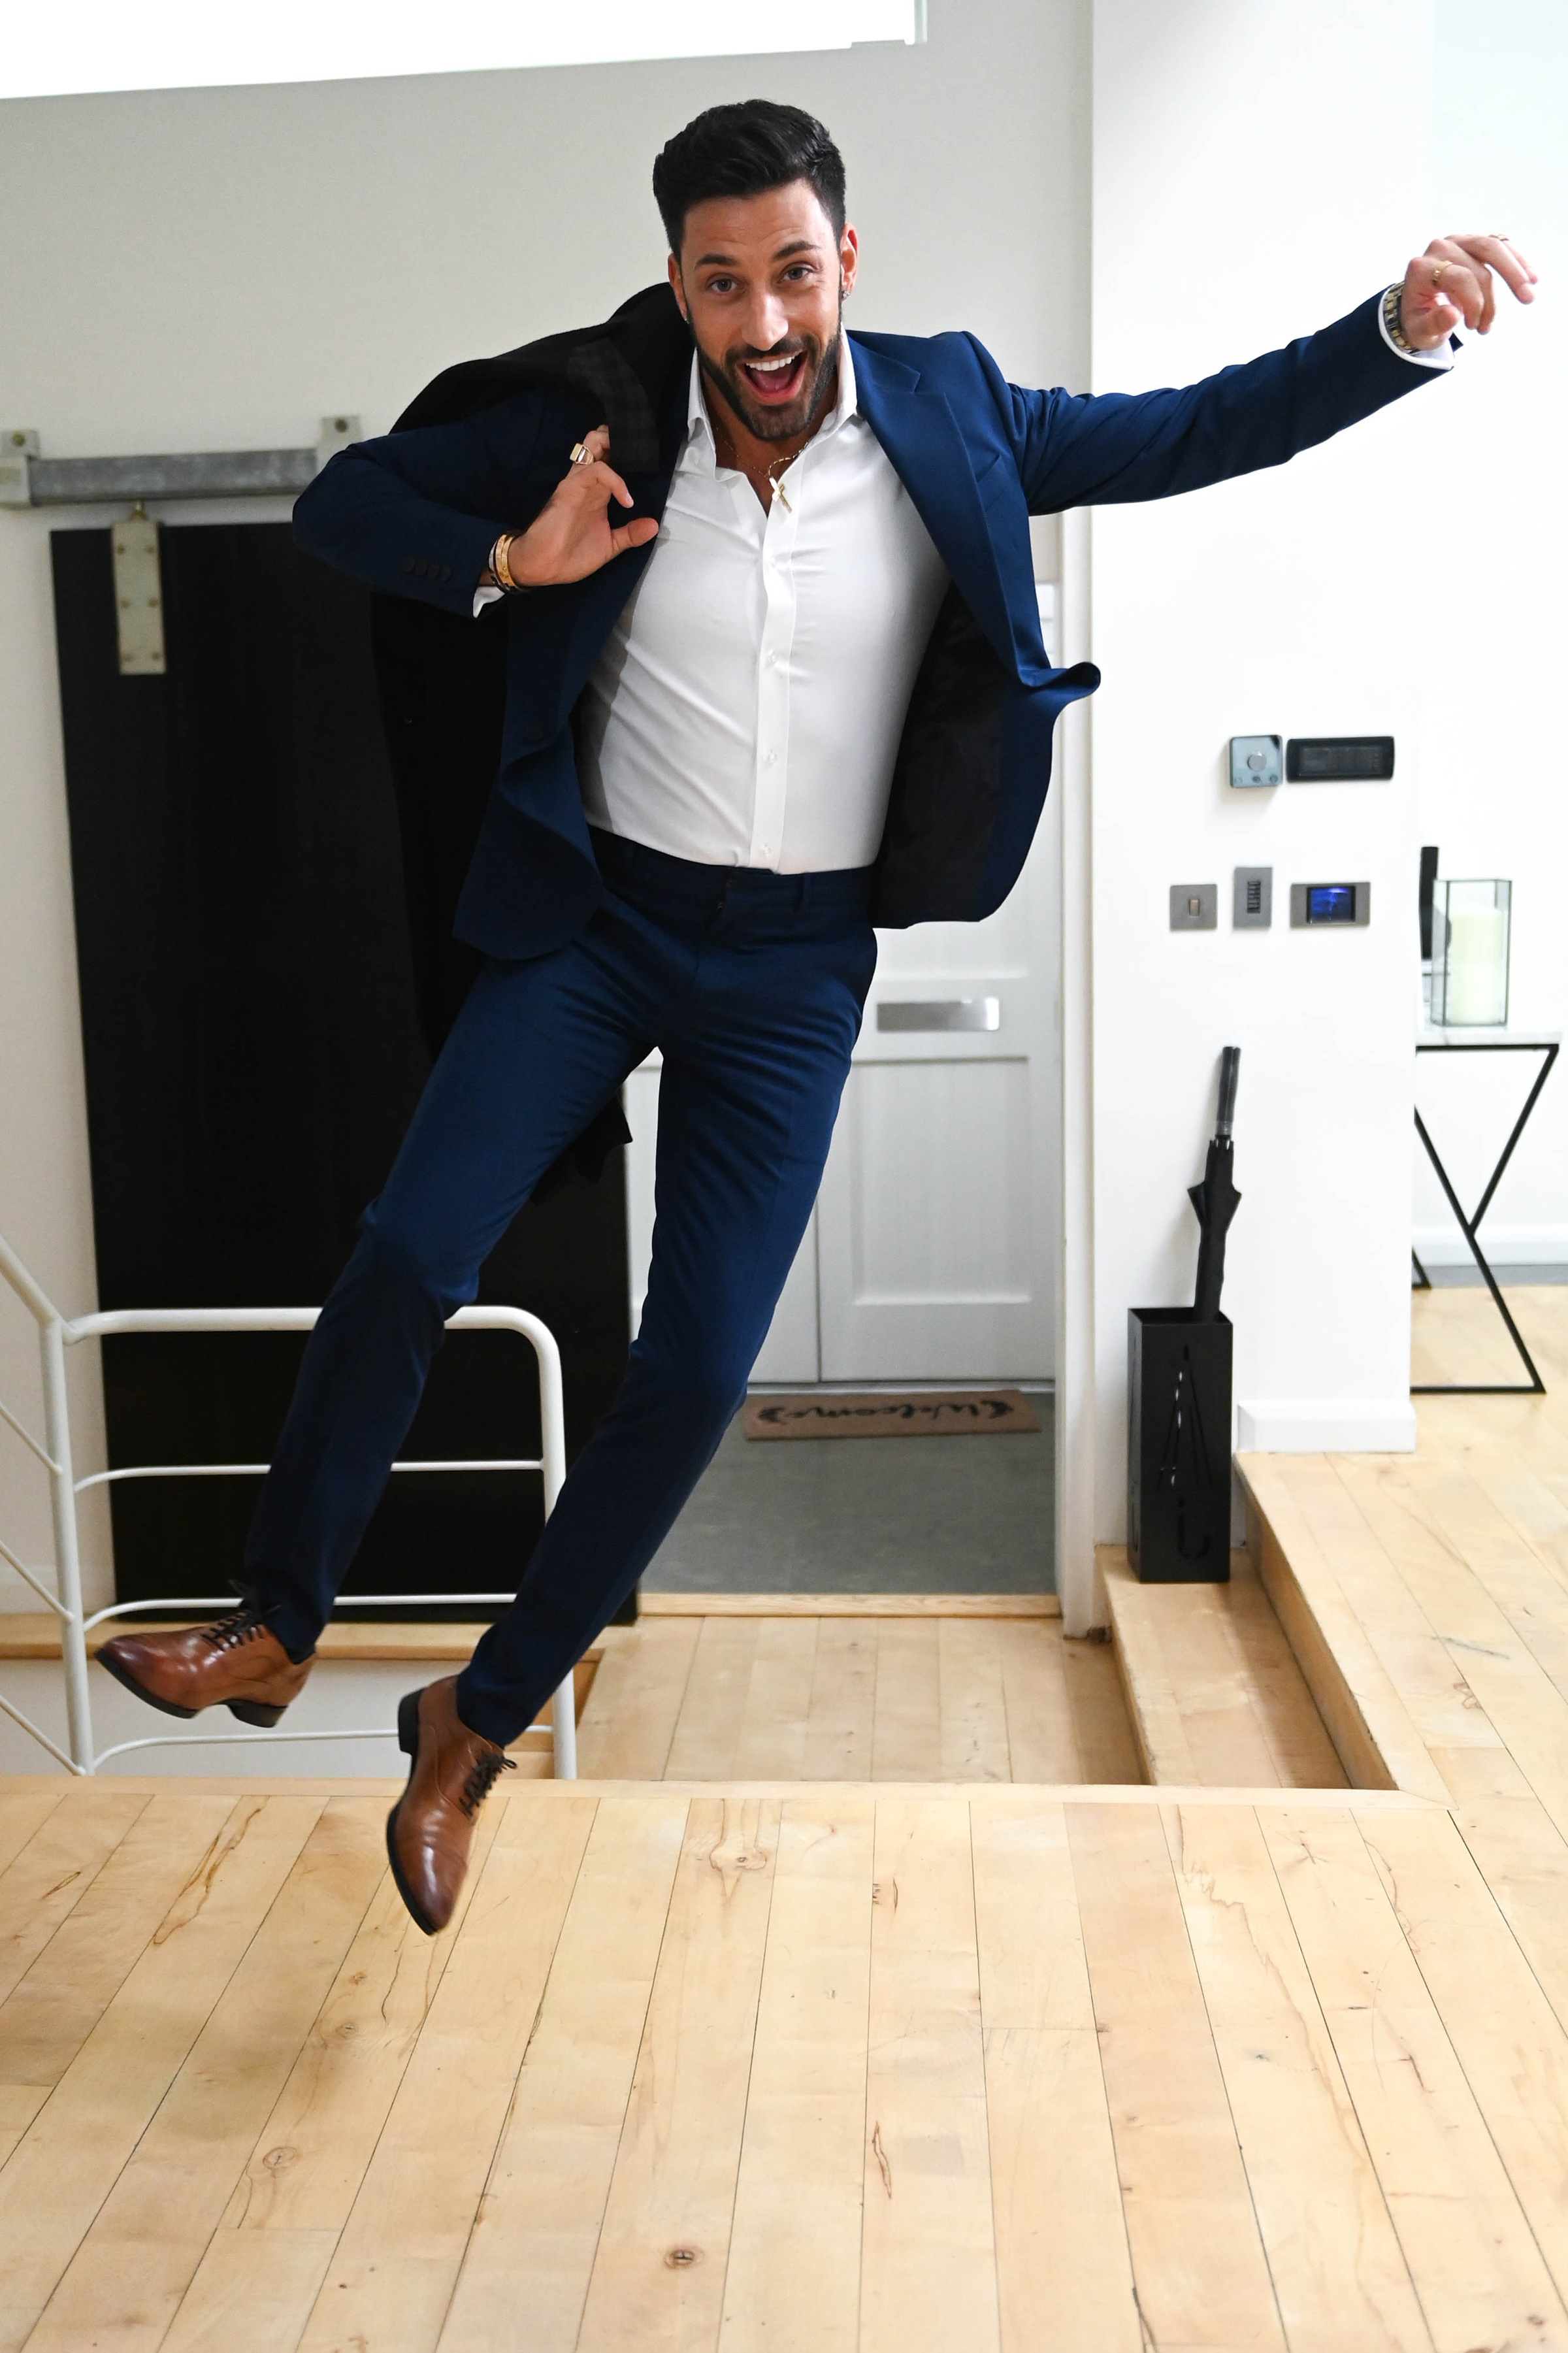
(483, 1775)
(240, 1625)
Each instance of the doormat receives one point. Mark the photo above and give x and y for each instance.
(947, 1413)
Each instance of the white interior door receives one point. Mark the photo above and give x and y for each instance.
(937, 1222)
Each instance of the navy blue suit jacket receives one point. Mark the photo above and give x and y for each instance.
(484, 708)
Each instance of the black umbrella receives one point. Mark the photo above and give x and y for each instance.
(1216, 1201)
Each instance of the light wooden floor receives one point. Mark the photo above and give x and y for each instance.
(933, 2071)
(1441, 1577)
(728, 2061)
(855, 1698)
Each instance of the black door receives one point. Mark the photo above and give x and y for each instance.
(252, 1054)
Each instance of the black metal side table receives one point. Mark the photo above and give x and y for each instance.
(1484, 1041)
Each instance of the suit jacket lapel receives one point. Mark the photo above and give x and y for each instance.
(933, 460)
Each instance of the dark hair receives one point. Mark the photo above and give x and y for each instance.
(742, 151)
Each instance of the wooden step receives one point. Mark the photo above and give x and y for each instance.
(1214, 1692)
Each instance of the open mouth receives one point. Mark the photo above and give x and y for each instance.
(775, 381)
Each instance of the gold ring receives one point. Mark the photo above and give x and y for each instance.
(580, 457)
(1438, 273)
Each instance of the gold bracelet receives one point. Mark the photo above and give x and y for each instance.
(1391, 320)
(500, 567)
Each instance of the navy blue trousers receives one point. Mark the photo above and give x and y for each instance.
(751, 985)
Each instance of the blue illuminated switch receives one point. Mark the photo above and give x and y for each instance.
(1255, 760)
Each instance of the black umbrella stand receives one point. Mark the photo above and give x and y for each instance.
(1178, 1394)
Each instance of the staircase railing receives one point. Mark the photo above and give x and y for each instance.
(57, 1332)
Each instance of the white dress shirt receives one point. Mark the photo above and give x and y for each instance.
(747, 706)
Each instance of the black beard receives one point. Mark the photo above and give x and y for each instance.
(775, 424)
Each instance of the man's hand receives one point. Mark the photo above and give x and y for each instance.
(573, 535)
(1450, 285)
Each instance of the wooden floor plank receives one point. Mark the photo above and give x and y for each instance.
(630, 1721)
(1042, 1744)
(929, 2259)
(1339, 2272)
(1063, 2272)
(68, 1986)
(658, 2271)
(249, 2294)
(973, 1712)
(1102, 1735)
(1304, 1755)
(125, 2282)
(777, 1703)
(19, 2104)
(68, 2163)
(1384, 1721)
(906, 1739)
(793, 2284)
(1423, 1671)
(1197, 2259)
(1475, 2264)
(1455, 1507)
(23, 1814)
(310, 2154)
(544, 2200)
(391, 2279)
(1523, 1858)
(1514, 1692)
(842, 1714)
(1511, 2043)
(53, 1870)
(708, 1730)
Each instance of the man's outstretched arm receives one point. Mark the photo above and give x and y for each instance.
(1090, 449)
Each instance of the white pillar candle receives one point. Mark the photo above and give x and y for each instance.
(1477, 967)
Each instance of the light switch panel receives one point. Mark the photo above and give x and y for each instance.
(1252, 904)
(1195, 906)
(1255, 760)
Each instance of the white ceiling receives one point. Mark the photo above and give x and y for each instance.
(104, 45)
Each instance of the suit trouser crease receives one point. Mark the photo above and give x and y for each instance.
(751, 984)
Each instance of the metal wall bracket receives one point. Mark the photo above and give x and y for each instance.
(18, 448)
(138, 597)
(30, 480)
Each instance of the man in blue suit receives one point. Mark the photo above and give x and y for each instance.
(774, 674)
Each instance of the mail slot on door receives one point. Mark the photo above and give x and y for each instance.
(947, 1013)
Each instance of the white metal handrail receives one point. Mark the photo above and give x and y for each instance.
(58, 1332)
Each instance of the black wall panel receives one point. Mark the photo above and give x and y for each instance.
(252, 1054)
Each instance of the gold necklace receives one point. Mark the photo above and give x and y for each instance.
(781, 466)
(729, 456)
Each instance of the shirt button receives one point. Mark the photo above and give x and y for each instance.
(768, 758)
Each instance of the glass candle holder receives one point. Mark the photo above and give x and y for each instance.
(1469, 955)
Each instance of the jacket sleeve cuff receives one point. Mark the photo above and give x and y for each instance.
(1441, 358)
(444, 565)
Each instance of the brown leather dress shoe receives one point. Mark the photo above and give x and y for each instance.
(235, 1663)
(431, 1828)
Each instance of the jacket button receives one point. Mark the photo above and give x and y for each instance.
(420, 566)
(408, 563)
(446, 572)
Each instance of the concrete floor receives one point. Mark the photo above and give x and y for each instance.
(870, 1515)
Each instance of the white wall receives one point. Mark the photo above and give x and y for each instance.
(1494, 523)
(1260, 168)
(216, 268)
